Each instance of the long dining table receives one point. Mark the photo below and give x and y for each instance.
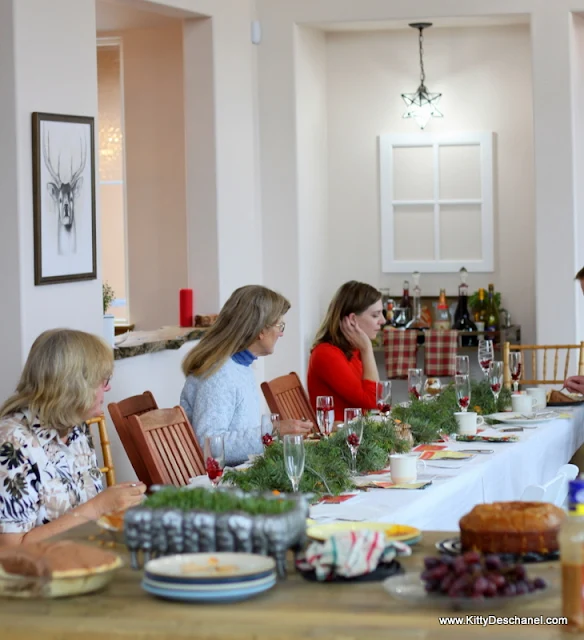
(458, 485)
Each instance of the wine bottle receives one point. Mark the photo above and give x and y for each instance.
(406, 303)
(464, 322)
(461, 287)
(492, 313)
(442, 319)
(417, 322)
(480, 314)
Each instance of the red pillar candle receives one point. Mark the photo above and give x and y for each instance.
(186, 308)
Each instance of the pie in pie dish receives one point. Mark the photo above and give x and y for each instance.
(55, 569)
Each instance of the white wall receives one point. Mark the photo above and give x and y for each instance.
(315, 241)
(480, 73)
(55, 79)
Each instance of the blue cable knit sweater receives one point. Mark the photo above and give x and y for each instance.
(227, 402)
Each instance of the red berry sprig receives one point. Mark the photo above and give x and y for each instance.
(214, 469)
(464, 402)
(267, 439)
(414, 391)
(353, 440)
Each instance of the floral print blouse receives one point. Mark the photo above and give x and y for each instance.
(42, 477)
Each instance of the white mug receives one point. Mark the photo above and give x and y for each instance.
(468, 421)
(522, 403)
(404, 467)
(540, 396)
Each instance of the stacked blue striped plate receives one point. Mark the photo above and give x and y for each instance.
(209, 577)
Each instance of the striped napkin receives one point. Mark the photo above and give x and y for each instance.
(446, 455)
(350, 554)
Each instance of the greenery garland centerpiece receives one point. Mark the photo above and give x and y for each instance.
(326, 468)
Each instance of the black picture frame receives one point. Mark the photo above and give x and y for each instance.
(64, 210)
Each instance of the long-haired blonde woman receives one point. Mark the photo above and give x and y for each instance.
(342, 362)
(220, 395)
(49, 479)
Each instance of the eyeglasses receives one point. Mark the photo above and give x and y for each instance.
(280, 326)
(107, 381)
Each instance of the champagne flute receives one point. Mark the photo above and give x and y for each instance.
(462, 388)
(462, 365)
(496, 379)
(354, 433)
(515, 367)
(486, 355)
(325, 414)
(384, 397)
(415, 382)
(294, 459)
(214, 453)
(352, 414)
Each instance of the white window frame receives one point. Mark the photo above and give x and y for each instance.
(387, 143)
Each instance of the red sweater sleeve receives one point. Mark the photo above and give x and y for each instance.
(329, 366)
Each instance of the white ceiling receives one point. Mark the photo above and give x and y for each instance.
(119, 15)
(387, 25)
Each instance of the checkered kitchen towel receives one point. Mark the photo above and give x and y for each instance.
(440, 350)
(400, 351)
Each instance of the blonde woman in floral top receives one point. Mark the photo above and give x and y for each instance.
(49, 479)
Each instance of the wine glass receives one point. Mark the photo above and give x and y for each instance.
(496, 379)
(486, 355)
(462, 365)
(352, 414)
(294, 459)
(354, 434)
(462, 388)
(267, 429)
(384, 397)
(415, 382)
(271, 424)
(515, 367)
(214, 453)
(325, 414)
(432, 388)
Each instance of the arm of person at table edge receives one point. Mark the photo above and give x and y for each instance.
(331, 366)
(23, 528)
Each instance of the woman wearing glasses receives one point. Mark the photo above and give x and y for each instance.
(342, 363)
(49, 478)
(220, 395)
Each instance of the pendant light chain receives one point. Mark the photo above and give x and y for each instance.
(422, 72)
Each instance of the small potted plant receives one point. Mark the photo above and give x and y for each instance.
(108, 296)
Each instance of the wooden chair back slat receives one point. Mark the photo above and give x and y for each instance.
(106, 452)
(286, 395)
(546, 377)
(167, 443)
(120, 412)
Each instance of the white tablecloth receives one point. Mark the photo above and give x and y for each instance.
(502, 475)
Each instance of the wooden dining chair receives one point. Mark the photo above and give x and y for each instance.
(106, 452)
(166, 442)
(549, 357)
(120, 412)
(286, 395)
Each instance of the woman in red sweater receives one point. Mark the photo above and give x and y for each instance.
(342, 362)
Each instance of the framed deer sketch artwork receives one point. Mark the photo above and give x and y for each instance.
(63, 157)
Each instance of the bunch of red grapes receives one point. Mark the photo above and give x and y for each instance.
(353, 440)
(267, 439)
(214, 470)
(414, 391)
(464, 402)
(496, 387)
(472, 575)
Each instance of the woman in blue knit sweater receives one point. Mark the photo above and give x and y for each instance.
(220, 395)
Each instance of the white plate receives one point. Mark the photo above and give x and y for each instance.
(517, 418)
(210, 565)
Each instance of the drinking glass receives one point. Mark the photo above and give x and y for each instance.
(214, 453)
(432, 388)
(271, 424)
(486, 355)
(496, 379)
(462, 365)
(415, 382)
(352, 414)
(462, 388)
(325, 414)
(515, 367)
(267, 430)
(294, 459)
(354, 434)
(384, 397)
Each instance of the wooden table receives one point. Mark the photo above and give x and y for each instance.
(293, 609)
